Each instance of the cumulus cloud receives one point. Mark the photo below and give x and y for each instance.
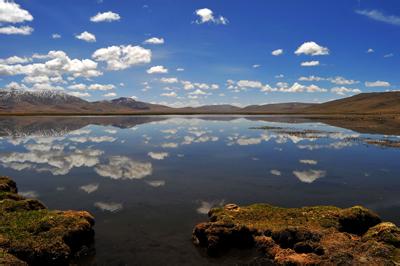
(15, 60)
(57, 65)
(342, 81)
(157, 70)
(277, 52)
(311, 162)
(309, 176)
(110, 94)
(12, 30)
(56, 36)
(310, 63)
(79, 86)
(122, 167)
(378, 83)
(311, 48)
(311, 78)
(86, 36)
(206, 15)
(101, 87)
(154, 40)
(11, 12)
(169, 80)
(379, 16)
(105, 17)
(122, 57)
(79, 94)
(169, 94)
(370, 50)
(343, 90)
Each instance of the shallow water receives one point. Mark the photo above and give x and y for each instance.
(149, 180)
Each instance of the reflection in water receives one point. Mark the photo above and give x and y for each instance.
(122, 167)
(148, 180)
(309, 176)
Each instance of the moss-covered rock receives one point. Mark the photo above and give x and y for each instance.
(35, 235)
(301, 236)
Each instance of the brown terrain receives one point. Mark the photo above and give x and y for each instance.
(56, 103)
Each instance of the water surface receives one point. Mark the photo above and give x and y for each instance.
(148, 180)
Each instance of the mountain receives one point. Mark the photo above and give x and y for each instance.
(363, 103)
(282, 108)
(58, 102)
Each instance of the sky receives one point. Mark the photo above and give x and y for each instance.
(191, 53)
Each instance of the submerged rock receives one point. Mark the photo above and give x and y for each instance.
(324, 235)
(32, 234)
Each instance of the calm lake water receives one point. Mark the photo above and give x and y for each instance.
(149, 180)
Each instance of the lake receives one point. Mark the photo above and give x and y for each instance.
(149, 179)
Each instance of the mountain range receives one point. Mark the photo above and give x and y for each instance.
(20, 102)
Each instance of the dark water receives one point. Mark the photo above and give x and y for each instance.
(149, 180)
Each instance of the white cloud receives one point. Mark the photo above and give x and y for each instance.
(105, 17)
(207, 16)
(158, 155)
(311, 78)
(255, 66)
(379, 16)
(59, 64)
(180, 69)
(56, 36)
(15, 60)
(310, 63)
(12, 30)
(169, 80)
(101, 87)
(110, 94)
(370, 50)
(311, 48)
(388, 55)
(122, 57)
(11, 12)
(344, 90)
(277, 52)
(342, 81)
(169, 94)
(157, 70)
(154, 40)
(79, 94)
(378, 83)
(309, 176)
(79, 86)
(86, 36)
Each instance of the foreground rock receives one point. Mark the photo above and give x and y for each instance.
(322, 235)
(32, 234)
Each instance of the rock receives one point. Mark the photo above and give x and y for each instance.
(7, 185)
(384, 232)
(357, 220)
(32, 234)
(301, 236)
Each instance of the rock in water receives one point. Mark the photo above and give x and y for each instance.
(317, 235)
(32, 234)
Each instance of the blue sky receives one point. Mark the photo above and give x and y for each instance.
(201, 52)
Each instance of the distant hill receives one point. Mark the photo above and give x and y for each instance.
(293, 107)
(58, 102)
(364, 103)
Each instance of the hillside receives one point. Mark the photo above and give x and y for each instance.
(58, 102)
(364, 103)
